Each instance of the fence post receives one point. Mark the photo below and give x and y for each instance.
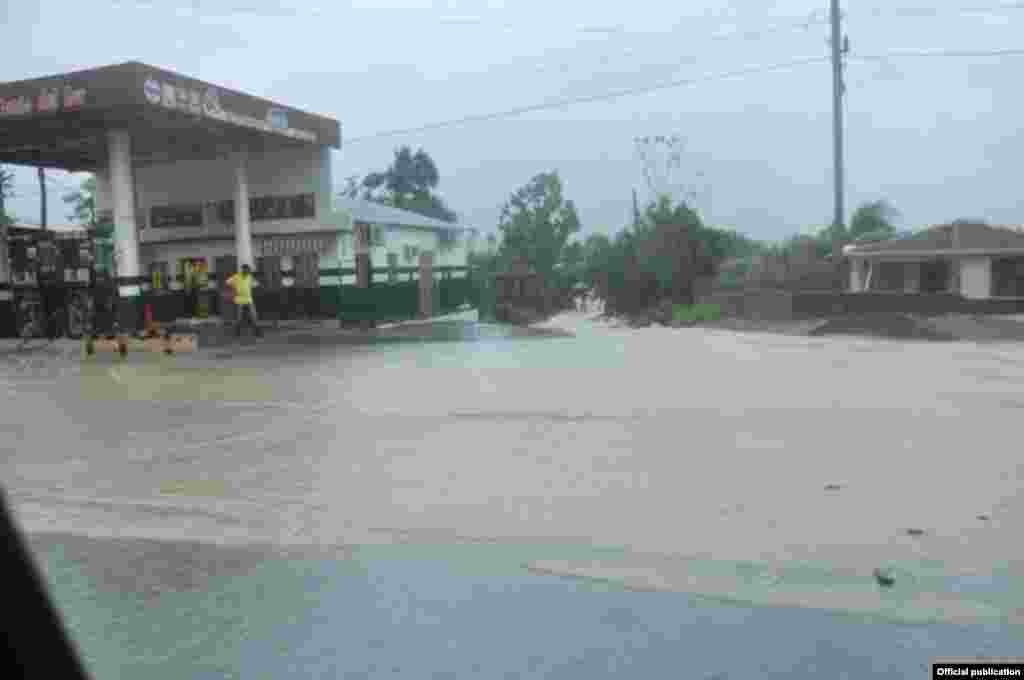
(364, 268)
(426, 285)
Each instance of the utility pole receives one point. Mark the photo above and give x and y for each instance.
(42, 197)
(839, 46)
(5, 181)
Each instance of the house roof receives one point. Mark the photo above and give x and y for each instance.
(374, 213)
(973, 236)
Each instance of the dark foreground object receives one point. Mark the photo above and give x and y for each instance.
(35, 644)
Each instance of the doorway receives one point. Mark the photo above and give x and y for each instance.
(935, 276)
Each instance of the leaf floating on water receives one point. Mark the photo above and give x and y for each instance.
(884, 577)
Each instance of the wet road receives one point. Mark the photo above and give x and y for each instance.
(325, 508)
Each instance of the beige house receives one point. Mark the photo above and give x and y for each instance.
(975, 260)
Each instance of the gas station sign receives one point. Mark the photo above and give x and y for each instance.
(208, 103)
(46, 100)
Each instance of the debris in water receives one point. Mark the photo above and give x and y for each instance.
(984, 518)
(833, 487)
(884, 577)
(915, 532)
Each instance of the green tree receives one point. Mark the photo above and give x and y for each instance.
(573, 254)
(354, 188)
(873, 220)
(674, 250)
(597, 256)
(6, 191)
(536, 224)
(83, 202)
(409, 183)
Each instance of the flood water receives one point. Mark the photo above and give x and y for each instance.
(329, 508)
(441, 611)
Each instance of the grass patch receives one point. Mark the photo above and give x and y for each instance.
(158, 380)
(696, 313)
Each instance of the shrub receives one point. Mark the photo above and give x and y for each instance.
(696, 313)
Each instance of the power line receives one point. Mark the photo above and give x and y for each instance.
(962, 54)
(607, 96)
(509, 113)
(922, 11)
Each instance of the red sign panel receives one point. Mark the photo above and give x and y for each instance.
(46, 100)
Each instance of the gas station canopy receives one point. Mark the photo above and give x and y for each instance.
(61, 121)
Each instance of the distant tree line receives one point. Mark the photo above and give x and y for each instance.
(667, 256)
(662, 257)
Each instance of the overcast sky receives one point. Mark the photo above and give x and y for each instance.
(939, 137)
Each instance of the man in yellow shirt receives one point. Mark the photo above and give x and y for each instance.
(241, 282)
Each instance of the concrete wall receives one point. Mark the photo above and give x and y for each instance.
(976, 277)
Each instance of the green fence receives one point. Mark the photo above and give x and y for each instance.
(396, 299)
(452, 292)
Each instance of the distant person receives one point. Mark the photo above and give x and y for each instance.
(241, 282)
(191, 289)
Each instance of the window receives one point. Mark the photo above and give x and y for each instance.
(169, 216)
(282, 207)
